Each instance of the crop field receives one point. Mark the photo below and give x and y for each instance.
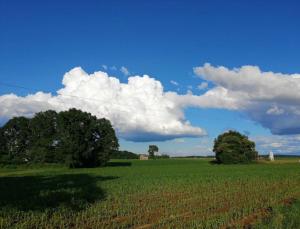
(170, 193)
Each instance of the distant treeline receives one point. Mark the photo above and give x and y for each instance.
(123, 155)
(119, 154)
(163, 156)
(76, 138)
(179, 157)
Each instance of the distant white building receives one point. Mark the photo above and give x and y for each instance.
(144, 157)
(271, 156)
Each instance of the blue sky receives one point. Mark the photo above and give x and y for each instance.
(41, 41)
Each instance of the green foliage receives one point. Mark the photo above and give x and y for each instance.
(15, 140)
(73, 137)
(3, 150)
(232, 148)
(86, 140)
(117, 154)
(163, 156)
(152, 150)
(44, 138)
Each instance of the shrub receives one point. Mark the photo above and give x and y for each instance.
(232, 147)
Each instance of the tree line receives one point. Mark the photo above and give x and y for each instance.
(123, 154)
(80, 139)
(73, 137)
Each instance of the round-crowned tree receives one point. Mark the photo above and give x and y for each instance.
(232, 148)
(85, 140)
(74, 137)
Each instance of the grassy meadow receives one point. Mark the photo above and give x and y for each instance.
(171, 193)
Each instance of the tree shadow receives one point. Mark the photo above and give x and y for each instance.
(39, 193)
(118, 164)
(214, 162)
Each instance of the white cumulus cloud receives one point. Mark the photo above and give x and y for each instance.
(139, 110)
(272, 99)
(202, 86)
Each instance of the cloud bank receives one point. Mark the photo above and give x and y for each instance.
(271, 99)
(288, 144)
(139, 110)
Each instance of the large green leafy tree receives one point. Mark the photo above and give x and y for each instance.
(85, 140)
(232, 147)
(15, 135)
(73, 137)
(3, 150)
(152, 150)
(44, 139)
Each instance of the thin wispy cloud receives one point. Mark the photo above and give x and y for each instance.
(202, 86)
(125, 71)
(175, 83)
(179, 140)
(288, 144)
(113, 68)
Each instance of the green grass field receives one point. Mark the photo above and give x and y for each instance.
(174, 193)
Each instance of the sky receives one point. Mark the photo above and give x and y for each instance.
(171, 73)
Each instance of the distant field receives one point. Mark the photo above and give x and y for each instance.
(174, 193)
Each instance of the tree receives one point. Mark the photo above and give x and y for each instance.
(44, 138)
(15, 140)
(85, 140)
(3, 150)
(73, 137)
(232, 147)
(152, 149)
